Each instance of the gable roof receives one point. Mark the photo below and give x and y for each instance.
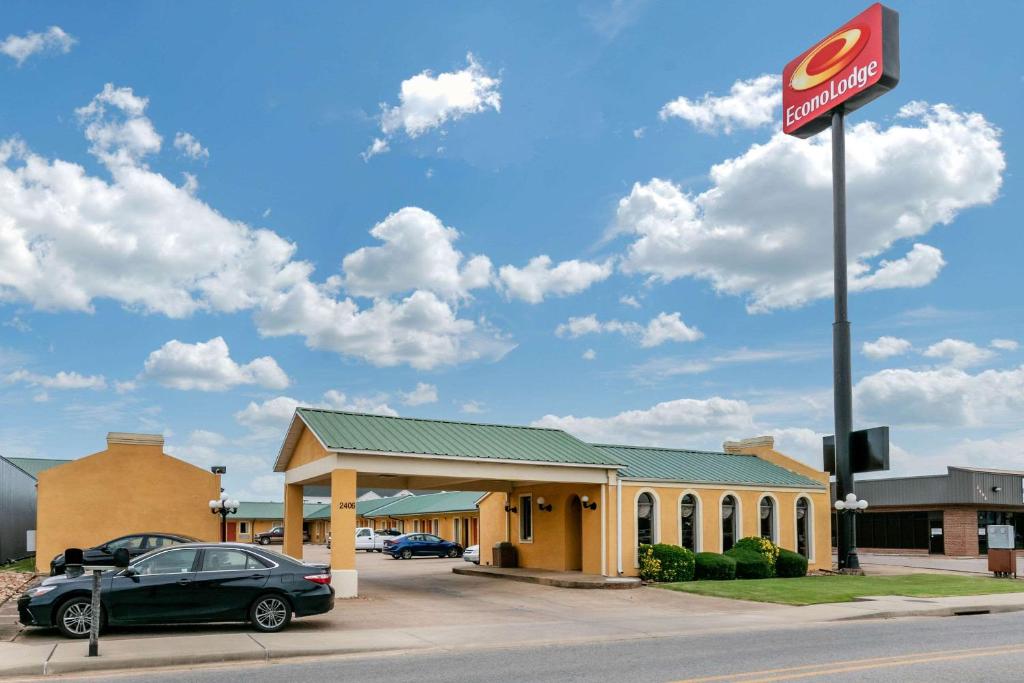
(429, 504)
(341, 430)
(272, 511)
(365, 507)
(33, 466)
(702, 467)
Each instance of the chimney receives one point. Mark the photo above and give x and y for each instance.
(129, 439)
(749, 445)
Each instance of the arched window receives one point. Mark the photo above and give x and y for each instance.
(730, 522)
(803, 527)
(689, 518)
(767, 515)
(645, 519)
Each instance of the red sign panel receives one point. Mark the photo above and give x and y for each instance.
(849, 68)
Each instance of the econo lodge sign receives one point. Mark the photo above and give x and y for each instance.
(849, 68)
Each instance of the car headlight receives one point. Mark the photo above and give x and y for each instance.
(40, 590)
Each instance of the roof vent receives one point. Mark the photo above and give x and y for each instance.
(135, 439)
(746, 445)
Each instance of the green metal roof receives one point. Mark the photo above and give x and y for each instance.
(323, 511)
(702, 467)
(379, 433)
(365, 507)
(429, 504)
(33, 466)
(274, 511)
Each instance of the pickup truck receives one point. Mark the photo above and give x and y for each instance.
(276, 535)
(372, 540)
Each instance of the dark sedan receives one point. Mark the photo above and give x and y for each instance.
(193, 583)
(102, 555)
(421, 545)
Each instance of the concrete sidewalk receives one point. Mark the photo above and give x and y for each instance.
(235, 645)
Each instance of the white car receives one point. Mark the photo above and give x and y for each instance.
(472, 554)
(371, 540)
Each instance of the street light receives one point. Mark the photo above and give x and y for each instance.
(224, 507)
(851, 506)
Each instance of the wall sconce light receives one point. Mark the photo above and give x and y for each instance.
(997, 489)
(585, 501)
(510, 508)
(543, 505)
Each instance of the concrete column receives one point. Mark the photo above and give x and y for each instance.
(293, 520)
(344, 576)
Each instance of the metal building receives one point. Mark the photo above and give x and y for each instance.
(18, 503)
(940, 514)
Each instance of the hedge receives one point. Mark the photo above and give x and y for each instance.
(790, 565)
(712, 566)
(666, 563)
(749, 564)
(761, 546)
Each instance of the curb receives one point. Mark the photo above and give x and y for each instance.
(962, 611)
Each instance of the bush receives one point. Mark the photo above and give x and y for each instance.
(749, 564)
(790, 565)
(676, 563)
(650, 566)
(761, 546)
(712, 566)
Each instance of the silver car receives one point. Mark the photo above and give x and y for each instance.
(472, 554)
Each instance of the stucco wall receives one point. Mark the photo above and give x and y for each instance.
(307, 450)
(125, 489)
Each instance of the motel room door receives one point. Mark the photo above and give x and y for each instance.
(231, 531)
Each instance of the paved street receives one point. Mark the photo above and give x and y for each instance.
(952, 649)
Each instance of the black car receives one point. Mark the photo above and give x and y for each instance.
(192, 583)
(136, 544)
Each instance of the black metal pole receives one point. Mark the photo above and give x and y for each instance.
(223, 525)
(841, 375)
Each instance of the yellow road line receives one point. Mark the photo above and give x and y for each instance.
(828, 668)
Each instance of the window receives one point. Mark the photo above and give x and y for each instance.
(416, 525)
(158, 542)
(129, 542)
(177, 561)
(243, 527)
(525, 518)
(644, 519)
(803, 527)
(430, 538)
(363, 532)
(227, 559)
(730, 520)
(688, 521)
(435, 526)
(767, 514)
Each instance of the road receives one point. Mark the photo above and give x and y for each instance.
(983, 648)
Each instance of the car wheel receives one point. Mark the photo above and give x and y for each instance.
(379, 550)
(264, 541)
(406, 554)
(270, 613)
(453, 552)
(74, 618)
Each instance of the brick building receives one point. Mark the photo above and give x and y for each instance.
(944, 514)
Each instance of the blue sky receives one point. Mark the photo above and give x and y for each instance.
(584, 216)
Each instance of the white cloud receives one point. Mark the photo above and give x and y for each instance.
(268, 419)
(946, 397)
(116, 124)
(53, 40)
(639, 132)
(663, 328)
(538, 279)
(885, 347)
(208, 366)
(125, 387)
(757, 231)
(682, 423)
(417, 254)
(423, 393)
(61, 380)
(749, 104)
(589, 354)
(1005, 344)
(190, 146)
(629, 300)
(378, 146)
(472, 407)
(959, 353)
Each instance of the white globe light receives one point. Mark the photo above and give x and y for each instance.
(851, 498)
(214, 504)
(840, 505)
(585, 499)
(540, 501)
(233, 503)
(862, 504)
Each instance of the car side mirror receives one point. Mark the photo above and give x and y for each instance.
(121, 557)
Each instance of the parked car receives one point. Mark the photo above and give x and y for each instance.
(102, 555)
(472, 554)
(407, 546)
(276, 535)
(373, 539)
(190, 583)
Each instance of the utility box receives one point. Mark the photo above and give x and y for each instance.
(1002, 558)
(504, 555)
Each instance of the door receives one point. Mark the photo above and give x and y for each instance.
(574, 535)
(232, 532)
(160, 589)
(364, 538)
(936, 544)
(227, 582)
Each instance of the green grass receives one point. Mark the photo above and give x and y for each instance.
(26, 565)
(812, 590)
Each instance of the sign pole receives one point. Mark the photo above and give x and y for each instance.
(841, 374)
(96, 610)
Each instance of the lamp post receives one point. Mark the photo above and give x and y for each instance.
(223, 507)
(851, 506)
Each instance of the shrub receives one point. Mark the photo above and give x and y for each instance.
(790, 565)
(650, 566)
(761, 546)
(712, 566)
(749, 564)
(676, 563)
